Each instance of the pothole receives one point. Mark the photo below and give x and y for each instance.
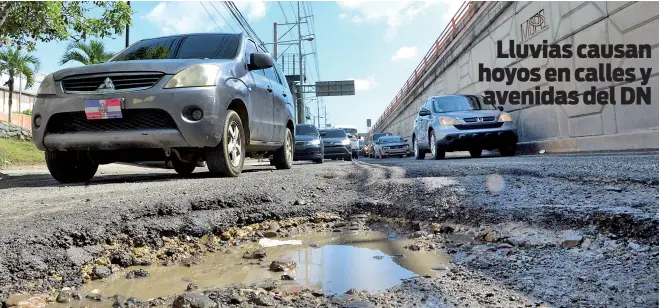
(345, 259)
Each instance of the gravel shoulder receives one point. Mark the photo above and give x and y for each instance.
(517, 212)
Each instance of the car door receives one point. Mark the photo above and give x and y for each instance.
(424, 122)
(260, 106)
(282, 98)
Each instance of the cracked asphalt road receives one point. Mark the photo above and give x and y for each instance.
(611, 200)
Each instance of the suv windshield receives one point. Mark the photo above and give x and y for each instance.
(378, 135)
(201, 46)
(460, 103)
(306, 130)
(391, 140)
(335, 133)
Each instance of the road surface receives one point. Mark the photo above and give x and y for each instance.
(556, 230)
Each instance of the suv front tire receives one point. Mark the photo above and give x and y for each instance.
(70, 166)
(228, 157)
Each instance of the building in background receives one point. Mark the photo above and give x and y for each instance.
(22, 99)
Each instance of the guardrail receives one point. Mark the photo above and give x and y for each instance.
(463, 14)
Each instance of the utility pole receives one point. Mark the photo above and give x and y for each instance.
(128, 28)
(325, 107)
(318, 110)
(300, 102)
(274, 49)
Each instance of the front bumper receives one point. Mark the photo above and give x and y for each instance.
(206, 132)
(339, 151)
(488, 140)
(394, 152)
(307, 153)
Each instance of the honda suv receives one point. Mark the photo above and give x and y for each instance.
(185, 98)
(462, 123)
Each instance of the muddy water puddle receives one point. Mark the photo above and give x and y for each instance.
(330, 262)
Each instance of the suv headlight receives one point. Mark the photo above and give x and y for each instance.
(314, 142)
(202, 75)
(47, 86)
(505, 117)
(346, 142)
(448, 121)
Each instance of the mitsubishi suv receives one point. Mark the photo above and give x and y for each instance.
(189, 98)
(462, 123)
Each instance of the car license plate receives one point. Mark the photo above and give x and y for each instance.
(100, 109)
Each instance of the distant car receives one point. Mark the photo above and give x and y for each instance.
(371, 141)
(362, 147)
(212, 97)
(336, 143)
(308, 144)
(391, 146)
(462, 123)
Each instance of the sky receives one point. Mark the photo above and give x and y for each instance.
(378, 44)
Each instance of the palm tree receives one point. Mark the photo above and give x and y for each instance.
(87, 54)
(12, 63)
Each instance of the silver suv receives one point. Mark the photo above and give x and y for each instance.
(186, 98)
(462, 123)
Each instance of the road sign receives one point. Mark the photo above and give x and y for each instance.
(335, 88)
(368, 122)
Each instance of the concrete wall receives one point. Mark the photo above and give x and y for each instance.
(553, 128)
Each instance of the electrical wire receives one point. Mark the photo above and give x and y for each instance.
(209, 14)
(225, 20)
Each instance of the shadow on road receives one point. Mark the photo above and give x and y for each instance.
(35, 180)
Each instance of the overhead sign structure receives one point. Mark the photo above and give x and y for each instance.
(368, 122)
(335, 88)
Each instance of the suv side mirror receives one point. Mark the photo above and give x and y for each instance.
(424, 112)
(500, 108)
(260, 61)
(323, 134)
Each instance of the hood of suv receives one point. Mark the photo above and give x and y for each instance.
(167, 66)
(393, 144)
(471, 114)
(306, 137)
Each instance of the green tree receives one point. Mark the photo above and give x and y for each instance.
(87, 54)
(13, 63)
(23, 23)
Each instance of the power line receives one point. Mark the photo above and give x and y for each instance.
(242, 22)
(209, 14)
(228, 24)
(282, 11)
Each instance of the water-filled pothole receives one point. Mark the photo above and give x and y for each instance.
(329, 262)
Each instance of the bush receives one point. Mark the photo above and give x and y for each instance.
(27, 112)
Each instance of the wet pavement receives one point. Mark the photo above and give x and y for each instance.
(541, 230)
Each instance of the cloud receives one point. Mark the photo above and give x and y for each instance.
(189, 17)
(342, 16)
(365, 84)
(404, 52)
(394, 14)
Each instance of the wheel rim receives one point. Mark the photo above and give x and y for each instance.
(432, 145)
(289, 147)
(416, 147)
(234, 148)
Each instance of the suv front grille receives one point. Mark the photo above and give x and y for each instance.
(475, 120)
(121, 81)
(479, 126)
(133, 119)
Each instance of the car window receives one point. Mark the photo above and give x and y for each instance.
(250, 48)
(454, 103)
(209, 46)
(306, 130)
(158, 48)
(335, 133)
(280, 74)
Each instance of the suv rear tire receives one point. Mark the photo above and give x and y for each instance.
(348, 157)
(70, 166)
(476, 153)
(283, 158)
(228, 157)
(418, 153)
(184, 168)
(508, 150)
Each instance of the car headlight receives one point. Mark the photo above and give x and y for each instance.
(202, 75)
(314, 142)
(47, 86)
(346, 142)
(448, 121)
(505, 117)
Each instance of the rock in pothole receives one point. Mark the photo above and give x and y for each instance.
(282, 266)
(138, 273)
